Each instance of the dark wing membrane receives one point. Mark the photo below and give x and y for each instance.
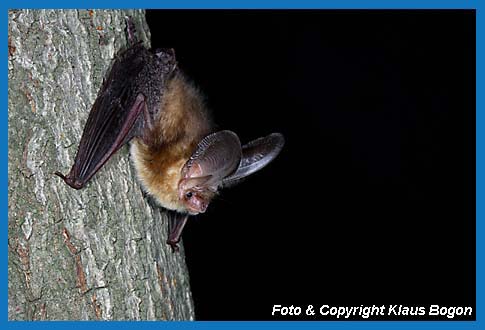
(256, 155)
(112, 119)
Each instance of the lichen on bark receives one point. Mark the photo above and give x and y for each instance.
(96, 253)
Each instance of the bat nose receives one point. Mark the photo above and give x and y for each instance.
(203, 207)
(197, 206)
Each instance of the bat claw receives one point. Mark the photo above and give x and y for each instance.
(173, 245)
(68, 180)
(59, 174)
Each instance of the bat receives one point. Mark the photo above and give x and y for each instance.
(179, 157)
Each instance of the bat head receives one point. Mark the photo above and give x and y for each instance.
(215, 157)
(196, 193)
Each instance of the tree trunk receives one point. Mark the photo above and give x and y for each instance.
(95, 253)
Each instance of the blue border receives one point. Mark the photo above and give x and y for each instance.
(249, 4)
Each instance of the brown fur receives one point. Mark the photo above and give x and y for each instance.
(159, 157)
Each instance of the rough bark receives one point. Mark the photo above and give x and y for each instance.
(96, 253)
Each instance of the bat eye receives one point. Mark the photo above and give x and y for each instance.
(189, 195)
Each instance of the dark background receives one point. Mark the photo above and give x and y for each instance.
(372, 200)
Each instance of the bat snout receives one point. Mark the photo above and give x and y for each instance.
(197, 206)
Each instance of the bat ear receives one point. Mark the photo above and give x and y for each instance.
(189, 183)
(216, 156)
(256, 155)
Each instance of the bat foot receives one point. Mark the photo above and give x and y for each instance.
(173, 245)
(175, 227)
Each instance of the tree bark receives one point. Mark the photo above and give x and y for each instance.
(95, 253)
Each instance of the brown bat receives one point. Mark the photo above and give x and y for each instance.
(179, 158)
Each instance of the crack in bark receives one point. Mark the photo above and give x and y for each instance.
(160, 278)
(11, 47)
(80, 275)
(24, 169)
(96, 307)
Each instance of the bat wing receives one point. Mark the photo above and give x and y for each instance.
(256, 155)
(116, 117)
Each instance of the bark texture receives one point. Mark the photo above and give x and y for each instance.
(96, 253)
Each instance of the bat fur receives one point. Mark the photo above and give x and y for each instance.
(159, 157)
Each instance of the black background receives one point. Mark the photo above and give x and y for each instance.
(372, 200)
